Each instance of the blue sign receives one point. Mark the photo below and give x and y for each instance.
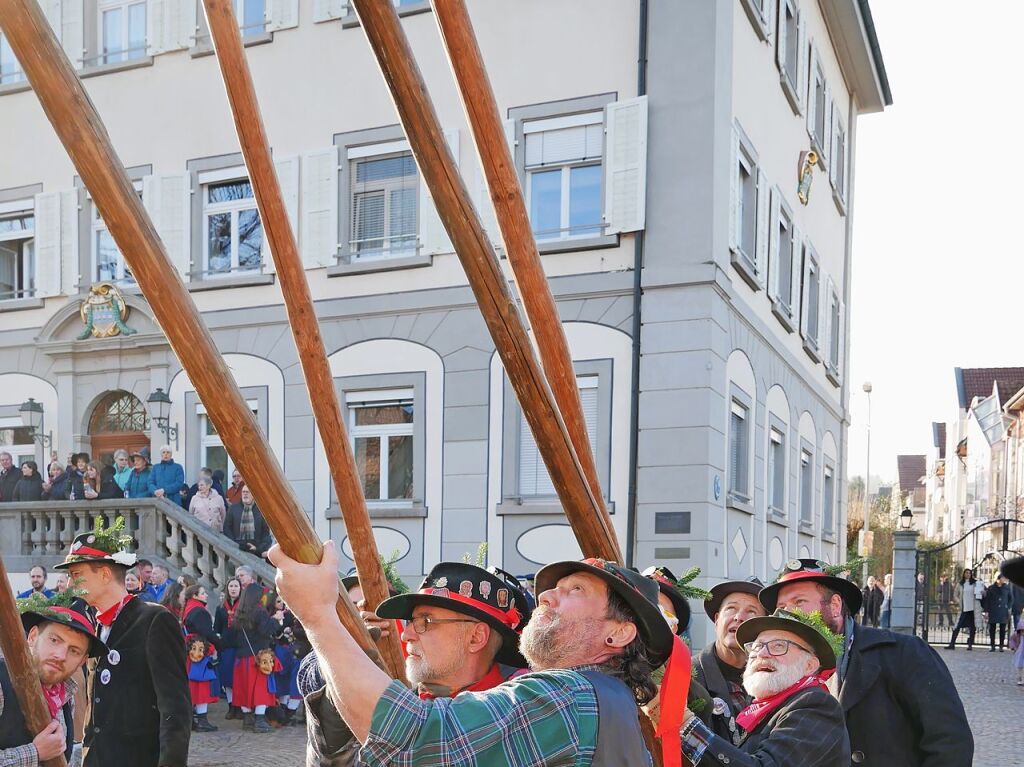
(718, 487)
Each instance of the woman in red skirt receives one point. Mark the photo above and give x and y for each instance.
(200, 682)
(254, 631)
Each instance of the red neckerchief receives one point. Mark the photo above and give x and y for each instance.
(675, 688)
(193, 604)
(56, 696)
(106, 618)
(753, 714)
(491, 679)
(229, 608)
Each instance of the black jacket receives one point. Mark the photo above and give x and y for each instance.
(58, 488)
(873, 598)
(233, 521)
(28, 489)
(199, 621)
(8, 480)
(249, 640)
(142, 716)
(707, 673)
(901, 705)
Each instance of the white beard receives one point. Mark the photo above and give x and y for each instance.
(764, 684)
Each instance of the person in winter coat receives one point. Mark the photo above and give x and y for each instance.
(207, 506)
(30, 486)
(137, 484)
(211, 477)
(76, 477)
(166, 477)
(246, 526)
(223, 626)
(195, 618)
(997, 604)
(56, 489)
(9, 476)
(254, 631)
(968, 593)
(873, 597)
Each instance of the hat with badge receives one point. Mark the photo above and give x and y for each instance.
(721, 590)
(815, 571)
(824, 642)
(103, 544)
(492, 596)
(67, 609)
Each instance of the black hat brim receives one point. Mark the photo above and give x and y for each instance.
(680, 605)
(97, 648)
(400, 607)
(1013, 569)
(721, 590)
(751, 629)
(849, 591)
(650, 622)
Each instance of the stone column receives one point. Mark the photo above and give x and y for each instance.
(904, 575)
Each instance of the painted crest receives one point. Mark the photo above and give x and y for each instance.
(466, 588)
(104, 313)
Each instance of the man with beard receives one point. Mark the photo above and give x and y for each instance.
(792, 719)
(141, 712)
(60, 639)
(459, 637)
(900, 703)
(719, 667)
(591, 644)
(37, 578)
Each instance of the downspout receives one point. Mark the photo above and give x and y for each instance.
(638, 261)
(845, 388)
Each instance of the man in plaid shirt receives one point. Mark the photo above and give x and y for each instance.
(591, 644)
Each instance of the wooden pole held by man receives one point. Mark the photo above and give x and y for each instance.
(227, 42)
(78, 125)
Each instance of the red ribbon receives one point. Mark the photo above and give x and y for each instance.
(77, 617)
(511, 618)
(675, 687)
(89, 551)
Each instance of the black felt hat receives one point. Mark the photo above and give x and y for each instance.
(811, 570)
(721, 590)
(1013, 569)
(784, 620)
(101, 545)
(353, 580)
(496, 598)
(72, 615)
(666, 581)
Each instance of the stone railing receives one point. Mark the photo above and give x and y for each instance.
(42, 532)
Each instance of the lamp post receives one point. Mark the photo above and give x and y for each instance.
(32, 419)
(160, 411)
(867, 480)
(906, 519)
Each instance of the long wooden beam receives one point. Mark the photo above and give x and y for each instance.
(510, 209)
(78, 125)
(227, 42)
(586, 514)
(21, 668)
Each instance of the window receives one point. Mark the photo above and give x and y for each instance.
(817, 112)
(110, 264)
(533, 474)
(828, 498)
(835, 331)
(10, 69)
(212, 453)
(748, 211)
(384, 195)
(122, 29)
(760, 14)
(234, 234)
(806, 487)
(381, 424)
(777, 471)
(17, 255)
(17, 440)
(564, 175)
(788, 41)
(251, 17)
(739, 441)
(746, 204)
(837, 169)
(811, 300)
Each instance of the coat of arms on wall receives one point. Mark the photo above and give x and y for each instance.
(104, 313)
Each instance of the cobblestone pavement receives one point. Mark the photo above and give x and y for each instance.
(987, 683)
(229, 747)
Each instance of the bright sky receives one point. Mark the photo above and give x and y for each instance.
(936, 269)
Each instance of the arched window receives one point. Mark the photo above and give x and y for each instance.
(119, 420)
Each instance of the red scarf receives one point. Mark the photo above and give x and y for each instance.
(675, 688)
(229, 608)
(491, 679)
(106, 618)
(753, 714)
(193, 604)
(56, 696)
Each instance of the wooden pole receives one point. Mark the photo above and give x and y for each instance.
(78, 125)
(227, 42)
(21, 668)
(589, 519)
(510, 209)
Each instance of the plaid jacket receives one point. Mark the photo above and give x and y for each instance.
(544, 719)
(26, 756)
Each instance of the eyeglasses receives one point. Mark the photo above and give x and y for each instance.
(421, 624)
(776, 647)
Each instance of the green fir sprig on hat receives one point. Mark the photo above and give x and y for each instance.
(111, 539)
(689, 591)
(816, 622)
(42, 605)
(391, 572)
(852, 566)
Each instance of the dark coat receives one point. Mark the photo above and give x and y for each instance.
(199, 621)
(249, 640)
(28, 489)
(58, 488)
(873, 598)
(707, 673)
(901, 705)
(806, 730)
(143, 715)
(234, 519)
(997, 603)
(8, 481)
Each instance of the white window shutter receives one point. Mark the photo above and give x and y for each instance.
(781, 41)
(170, 26)
(763, 226)
(734, 191)
(433, 237)
(842, 336)
(827, 138)
(48, 264)
(71, 276)
(155, 27)
(805, 294)
(625, 165)
(319, 207)
(812, 102)
(771, 11)
(826, 318)
(796, 272)
(282, 14)
(72, 34)
(802, 59)
(773, 245)
(484, 206)
(168, 199)
(328, 10)
(287, 169)
(833, 149)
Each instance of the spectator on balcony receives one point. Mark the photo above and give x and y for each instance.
(109, 488)
(76, 478)
(233, 494)
(166, 477)
(9, 476)
(214, 483)
(246, 526)
(158, 583)
(122, 468)
(56, 489)
(132, 583)
(207, 505)
(30, 485)
(137, 485)
(36, 577)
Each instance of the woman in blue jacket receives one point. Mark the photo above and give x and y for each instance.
(137, 485)
(166, 477)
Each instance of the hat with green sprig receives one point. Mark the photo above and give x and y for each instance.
(678, 591)
(816, 571)
(825, 643)
(103, 544)
(66, 608)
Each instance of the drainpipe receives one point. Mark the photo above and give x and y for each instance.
(638, 261)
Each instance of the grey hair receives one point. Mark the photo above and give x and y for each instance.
(244, 569)
(121, 453)
(165, 449)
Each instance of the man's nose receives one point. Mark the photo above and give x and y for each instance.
(548, 598)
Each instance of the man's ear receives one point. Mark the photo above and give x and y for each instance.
(33, 634)
(479, 636)
(621, 634)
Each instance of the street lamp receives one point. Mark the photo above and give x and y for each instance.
(32, 419)
(906, 519)
(160, 411)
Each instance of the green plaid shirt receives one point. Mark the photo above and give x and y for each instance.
(543, 719)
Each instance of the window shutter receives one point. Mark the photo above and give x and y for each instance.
(802, 62)
(169, 202)
(433, 237)
(155, 28)
(763, 226)
(812, 102)
(287, 169)
(282, 14)
(319, 201)
(796, 272)
(72, 34)
(833, 168)
(170, 26)
(771, 11)
(781, 41)
(826, 321)
(484, 205)
(625, 165)
(827, 138)
(735, 192)
(328, 10)
(842, 336)
(773, 245)
(48, 263)
(806, 297)
(70, 268)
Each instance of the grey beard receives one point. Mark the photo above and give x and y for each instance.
(764, 684)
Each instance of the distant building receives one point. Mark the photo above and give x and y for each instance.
(911, 477)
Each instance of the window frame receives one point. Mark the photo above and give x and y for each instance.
(834, 358)
(207, 441)
(203, 43)
(740, 498)
(129, 55)
(776, 427)
(192, 453)
(17, 75)
(382, 432)
(817, 84)
(806, 458)
(811, 266)
(234, 208)
(785, 311)
(27, 263)
(749, 265)
(382, 151)
(828, 501)
(88, 218)
(760, 15)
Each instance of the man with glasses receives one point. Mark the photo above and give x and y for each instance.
(900, 703)
(792, 719)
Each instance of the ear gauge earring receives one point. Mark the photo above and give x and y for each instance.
(609, 640)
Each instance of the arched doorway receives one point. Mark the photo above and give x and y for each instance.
(119, 420)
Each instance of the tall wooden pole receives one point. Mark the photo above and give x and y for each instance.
(586, 514)
(510, 209)
(227, 42)
(78, 125)
(21, 668)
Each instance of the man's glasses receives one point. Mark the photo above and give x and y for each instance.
(421, 624)
(776, 647)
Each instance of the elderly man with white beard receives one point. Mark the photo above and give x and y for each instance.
(793, 719)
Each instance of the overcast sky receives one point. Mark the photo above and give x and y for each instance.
(936, 267)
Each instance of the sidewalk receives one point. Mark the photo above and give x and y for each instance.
(229, 747)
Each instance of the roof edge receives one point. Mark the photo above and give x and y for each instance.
(876, 51)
